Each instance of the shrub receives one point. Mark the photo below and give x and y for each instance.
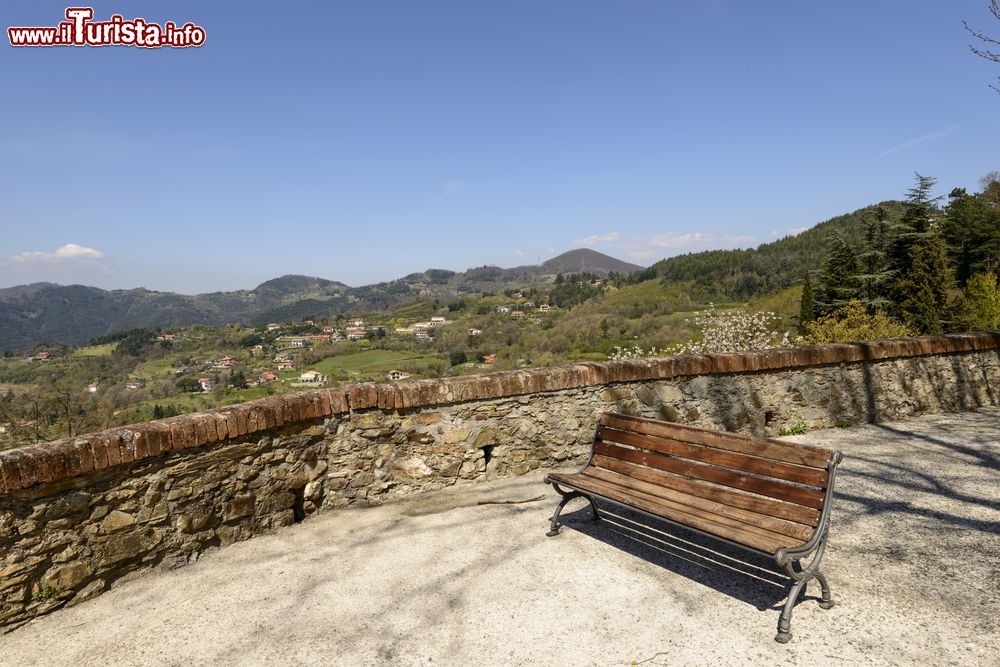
(852, 323)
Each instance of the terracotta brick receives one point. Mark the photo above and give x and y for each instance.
(187, 432)
(110, 444)
(10, 471)
(71, 458)
(271, 414)
(100, 449)
(221, 426)
(126, 450)
(53, 460)
(339, 401)
(33, 470)
(140, 444)
(241, 421)
(324, 404)
(86, 454)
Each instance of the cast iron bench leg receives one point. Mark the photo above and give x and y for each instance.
(566, 497)
(801, 577)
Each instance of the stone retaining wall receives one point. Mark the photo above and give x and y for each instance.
(79, 515)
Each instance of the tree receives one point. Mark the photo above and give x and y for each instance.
(921, 292)
(853, 323)
(839, 279)
(989, 43)
(807, 307)
(983, 297)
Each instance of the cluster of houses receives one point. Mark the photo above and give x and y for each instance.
(422, 330)
(520, 310)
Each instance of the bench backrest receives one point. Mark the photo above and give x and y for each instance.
(778, 479)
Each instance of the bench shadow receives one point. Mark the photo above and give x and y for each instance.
(743, 575)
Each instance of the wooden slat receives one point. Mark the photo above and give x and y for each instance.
(759, 504)
(770, 523)
(719, 457)
(719, 526)
(815, 457)
(766, 487)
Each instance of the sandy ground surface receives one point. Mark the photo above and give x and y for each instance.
(467, 577)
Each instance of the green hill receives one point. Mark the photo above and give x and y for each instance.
(742, 274)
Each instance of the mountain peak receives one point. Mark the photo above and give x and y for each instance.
(590, 261)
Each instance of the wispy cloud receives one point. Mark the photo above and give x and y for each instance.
(598, 238)
(71, 252)
(916, 141)
(450, 188)
(797, 230)
(519, 253)
(646, 247)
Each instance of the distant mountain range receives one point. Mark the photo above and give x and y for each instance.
(74, 314)
(45, 312)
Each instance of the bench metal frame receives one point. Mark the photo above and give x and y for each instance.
(788, 559)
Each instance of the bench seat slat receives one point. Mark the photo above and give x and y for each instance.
(720, 457)
(769, 523)
(807, 455)
(759, 504)
(766, 487)
(713, 524)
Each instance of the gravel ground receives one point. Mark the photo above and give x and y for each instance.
(468, 577)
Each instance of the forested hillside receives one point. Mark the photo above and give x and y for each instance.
(742, 274)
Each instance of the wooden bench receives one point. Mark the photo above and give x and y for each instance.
(767, 496)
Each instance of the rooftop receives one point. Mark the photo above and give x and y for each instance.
(467, 576)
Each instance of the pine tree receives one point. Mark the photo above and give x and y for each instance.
(876, 277)
(921, 292)
(839, 279)
(807, 307)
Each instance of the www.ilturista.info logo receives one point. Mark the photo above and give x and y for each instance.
(80, 30)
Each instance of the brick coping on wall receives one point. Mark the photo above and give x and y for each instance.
(43, 463)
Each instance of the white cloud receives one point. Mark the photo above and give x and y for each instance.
(450, 188)
(774, 233)
(70, 252)
(940, 134)
(644, 248)
(797, 230)
(519, 253)
(674, 241)
(598, 238)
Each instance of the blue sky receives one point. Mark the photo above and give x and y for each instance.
(361, 141)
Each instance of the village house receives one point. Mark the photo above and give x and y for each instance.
(41, 356)
(328, 330)
(92, 388)
(312, 376)
(475, 332)
(132, 385)
(503, 309)
(207, 384)
(356, 322)
(273, 326)
(529, 304)
(266, 378)
(291, 341)
(396, 375)
(438, 320)
(422, 335)
(517, 313)
(490, 359)
(285, 365)
(545, 308)
(356, 333)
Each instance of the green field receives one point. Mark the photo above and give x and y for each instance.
(370, 361)
(95, 350)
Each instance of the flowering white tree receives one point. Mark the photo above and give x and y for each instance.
(734, 331)
(728, 331)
